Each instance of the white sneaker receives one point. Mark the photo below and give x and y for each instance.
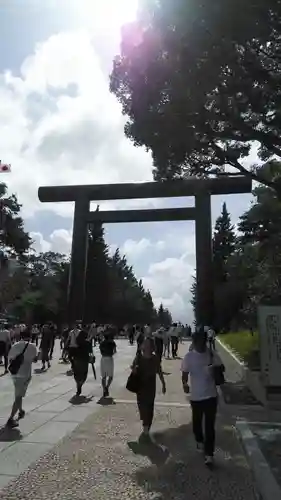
(200, 447)
(209, 460)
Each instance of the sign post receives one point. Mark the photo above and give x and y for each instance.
(269, 323)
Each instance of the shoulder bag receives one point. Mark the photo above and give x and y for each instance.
(218, 371)
(133, 382)
(16, 363)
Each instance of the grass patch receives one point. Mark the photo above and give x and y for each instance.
(243, 344)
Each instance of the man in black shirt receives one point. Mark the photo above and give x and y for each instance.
(107, 349)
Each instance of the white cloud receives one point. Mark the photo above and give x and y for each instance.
(38, 242)
(169, 281)
(60, 124)
(59, 241)
(135, 249)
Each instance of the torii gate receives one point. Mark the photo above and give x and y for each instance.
(201, 189)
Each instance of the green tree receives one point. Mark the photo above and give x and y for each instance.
(254, 268)
(262, 222)
(45, 297)
(224, 244)
(13, 238)
(200, 82)
(193, 291)
(260, 229)
(131, 303)
(224, 240)
(164, 316)
(97, 296)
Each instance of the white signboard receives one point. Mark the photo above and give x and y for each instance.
(269, 324)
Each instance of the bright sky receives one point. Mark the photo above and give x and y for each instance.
(59, 124)
(104, 15)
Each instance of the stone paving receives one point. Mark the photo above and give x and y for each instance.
(50, 411)
(102, 458)
(269, 440)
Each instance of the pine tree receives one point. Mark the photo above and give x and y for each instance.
(97, 297)
(164, 316)
(193, 291)
(224, 240)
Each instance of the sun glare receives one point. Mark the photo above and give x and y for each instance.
(109, 14)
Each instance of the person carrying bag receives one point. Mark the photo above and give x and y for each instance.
(133, 381)
(205, 371)
(218, 369)
(16, 363)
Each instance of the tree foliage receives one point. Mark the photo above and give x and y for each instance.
(13, 238)
(224, 240)
(36, 289)
(252, 267)
(200, 83)
(97, 277)
(164, 316)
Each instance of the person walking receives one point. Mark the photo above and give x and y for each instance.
(147, 365)
(22, 353)
(139, 336)
(35, 334)
(131, 334)
(53, 330)
(107, 349)
(167, 343)
(199, 364)
(211, 338)
(174, 340)
(64, 343)
(159, 341)
(45, 346)
(80, 349)
(5, 344)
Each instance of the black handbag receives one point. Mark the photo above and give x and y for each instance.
(218, 371)
(16, 363)
(133, 382)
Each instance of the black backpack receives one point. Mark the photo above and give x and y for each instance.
(16, 363)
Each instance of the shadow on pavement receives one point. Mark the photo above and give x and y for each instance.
(106, 401)
(9, 435)
(37, 371)
(237, 393)
(79, 400)
(183, 474)
(157, 454)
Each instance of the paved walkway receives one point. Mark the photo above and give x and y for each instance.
(102, 459)
(51, 412)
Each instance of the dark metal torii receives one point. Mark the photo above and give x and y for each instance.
(201, 189)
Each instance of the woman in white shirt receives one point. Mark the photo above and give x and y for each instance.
(22, 377)
(199, 365)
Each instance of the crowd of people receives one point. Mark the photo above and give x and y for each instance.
(202, 369)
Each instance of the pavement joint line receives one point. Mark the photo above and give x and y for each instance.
(265, 424)
(157, 403)
(266, 483)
